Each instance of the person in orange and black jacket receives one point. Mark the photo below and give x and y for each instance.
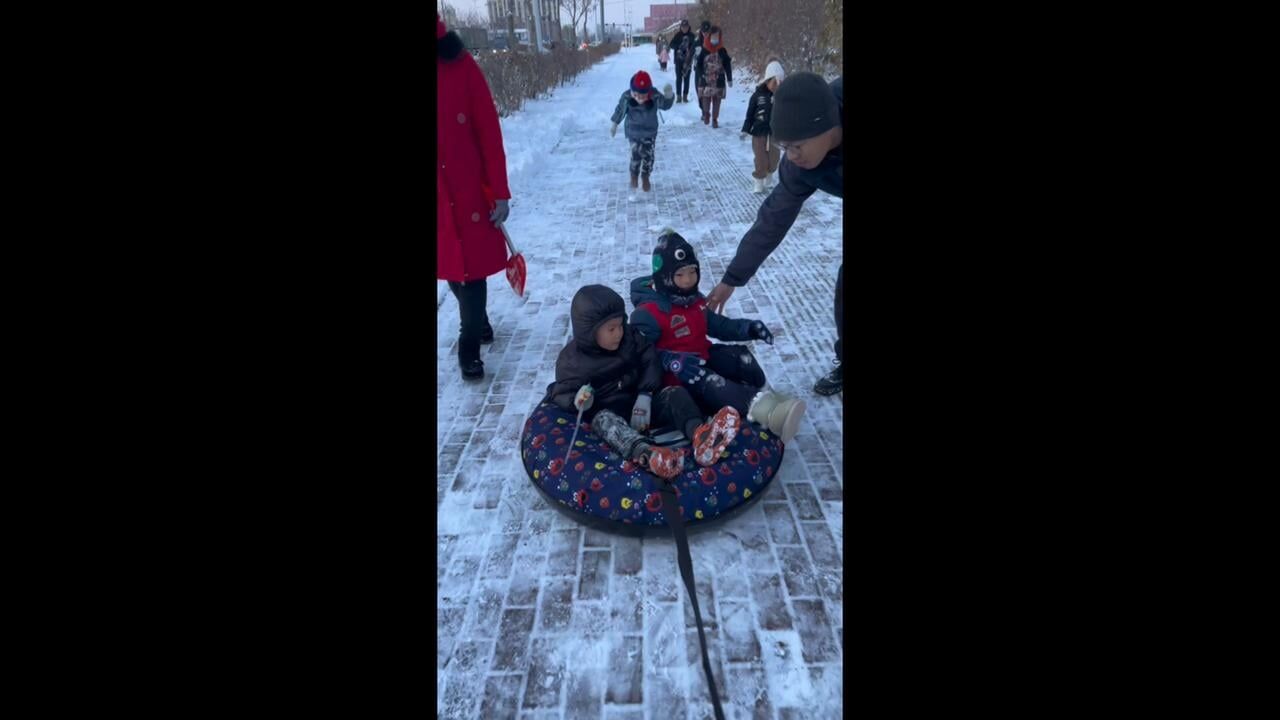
(715, 70)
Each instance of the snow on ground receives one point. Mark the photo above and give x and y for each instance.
(540, 618)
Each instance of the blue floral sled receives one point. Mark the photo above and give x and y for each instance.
(601, 488)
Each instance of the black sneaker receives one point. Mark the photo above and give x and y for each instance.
(832, 383)
(472, 369)
(486, 337)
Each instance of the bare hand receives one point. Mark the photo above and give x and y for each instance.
(718, 297)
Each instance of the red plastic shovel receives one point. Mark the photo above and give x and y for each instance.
(515, 263)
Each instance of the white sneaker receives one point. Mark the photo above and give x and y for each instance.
(759, 185)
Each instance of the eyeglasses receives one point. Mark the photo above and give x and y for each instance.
(787, 147)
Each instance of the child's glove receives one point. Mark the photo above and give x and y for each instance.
(585, 397)
(613, 131)
(640, 413)
(686, 366)
(757, 331)
(742, 136)
(666, 90)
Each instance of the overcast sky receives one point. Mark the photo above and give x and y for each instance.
(613, 10)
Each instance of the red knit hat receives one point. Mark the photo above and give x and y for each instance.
(641, 83)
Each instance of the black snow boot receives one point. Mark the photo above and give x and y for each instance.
(832, 383)
(471, 369)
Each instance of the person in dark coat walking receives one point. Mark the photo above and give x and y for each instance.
(609, 371)
(698, 50)
(715, 70)
(682, 46)
(469, 245)
(759, 112)
(808, 126)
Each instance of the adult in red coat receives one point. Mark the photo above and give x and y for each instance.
(469, 245)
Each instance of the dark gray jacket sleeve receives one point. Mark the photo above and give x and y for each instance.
(620, 109)
(776, 216)
(566, 386)
(651, 372)
(646, 324)
(723, 328)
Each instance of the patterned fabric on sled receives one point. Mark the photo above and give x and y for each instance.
(612, 493)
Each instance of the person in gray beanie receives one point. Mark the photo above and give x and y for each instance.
(808, 126)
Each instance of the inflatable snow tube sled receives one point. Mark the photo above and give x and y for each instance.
(603, 490)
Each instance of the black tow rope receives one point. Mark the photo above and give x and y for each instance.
(676, 521)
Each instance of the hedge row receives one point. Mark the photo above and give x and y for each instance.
(518, 76)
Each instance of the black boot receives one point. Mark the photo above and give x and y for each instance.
(471, 369)
(832, 383)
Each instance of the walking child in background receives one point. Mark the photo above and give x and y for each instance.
(662, 55)
(759, 113)
(672, 314)
(610, 372)
(715, 70)
(639, 108)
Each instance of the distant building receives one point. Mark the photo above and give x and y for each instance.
(662, 16)
(548, 9)
(450, 16)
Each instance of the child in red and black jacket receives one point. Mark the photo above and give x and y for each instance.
(672, 314)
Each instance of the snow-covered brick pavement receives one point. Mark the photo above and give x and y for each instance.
(541, 618)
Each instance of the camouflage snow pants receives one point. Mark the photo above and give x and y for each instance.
(642, 156)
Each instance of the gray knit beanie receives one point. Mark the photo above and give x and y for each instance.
(803, 107)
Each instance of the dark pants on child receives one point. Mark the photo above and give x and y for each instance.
(682, 78)
(472, 297)
(642, 156)
(733, 379)
(672, 407)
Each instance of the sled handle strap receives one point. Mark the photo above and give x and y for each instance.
(676, 521)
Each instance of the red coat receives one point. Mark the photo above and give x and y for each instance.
(469, 140)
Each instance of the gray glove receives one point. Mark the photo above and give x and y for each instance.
(501, 210)
(666, 90)
(613, 131)
(640, 413)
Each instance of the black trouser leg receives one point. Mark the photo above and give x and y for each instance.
(682, 79)
(714, 392)
(472, 298)
(674, 407)
(736, 363)
(840, 314)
